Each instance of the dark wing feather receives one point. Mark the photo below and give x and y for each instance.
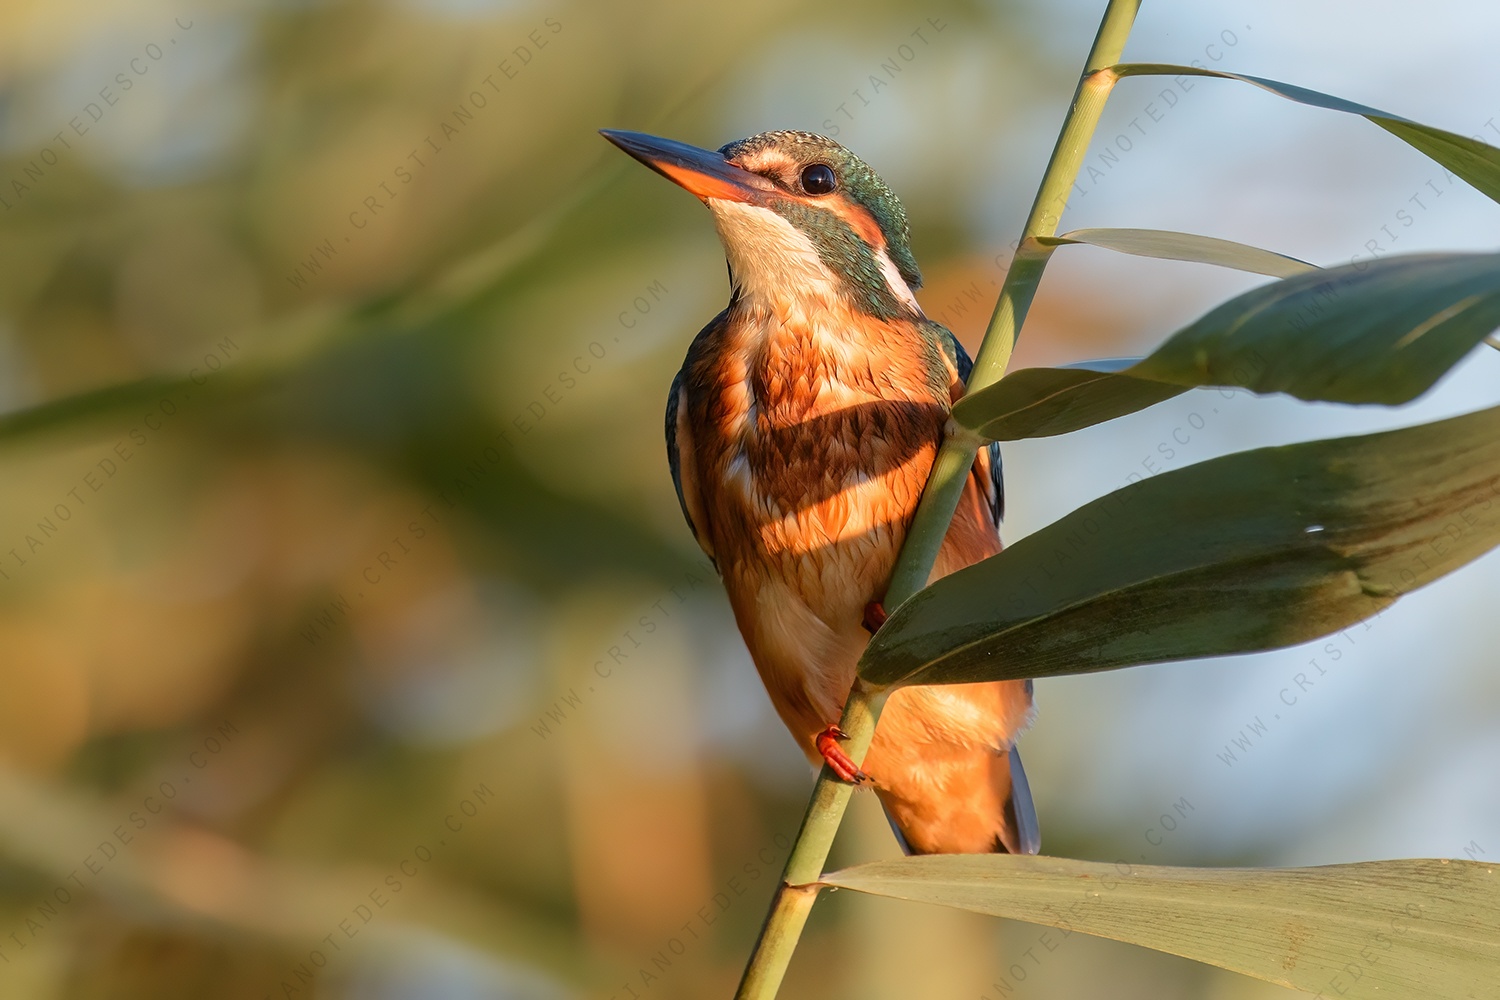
(994, 489)
(684, 473)
(674, 459)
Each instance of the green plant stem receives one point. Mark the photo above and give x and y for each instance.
(950, 469)
(799, 883)
(798, 889)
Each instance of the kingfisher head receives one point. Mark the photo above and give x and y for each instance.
(799, 216)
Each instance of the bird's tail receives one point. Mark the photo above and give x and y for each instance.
(984, 807)
(1020, 812)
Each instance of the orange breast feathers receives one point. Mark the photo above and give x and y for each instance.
(810, 445)
(816, 435)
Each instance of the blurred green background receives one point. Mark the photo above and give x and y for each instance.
(351, 644)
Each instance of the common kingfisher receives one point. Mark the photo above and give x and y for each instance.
(800, 431)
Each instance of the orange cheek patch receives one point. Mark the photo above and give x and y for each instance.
(858, 218)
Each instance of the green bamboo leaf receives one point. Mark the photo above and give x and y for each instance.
(1168, 245)
(1381, 331)
(1471, 159)
(1247, 552)
(1373, 931)
(1042, 402)
(1376, 332)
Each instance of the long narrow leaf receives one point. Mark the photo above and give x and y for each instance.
(1381, 331)
(1380, 930)
(1166, 244)
(1042, 402)
(1474, 161)
(1248, 552)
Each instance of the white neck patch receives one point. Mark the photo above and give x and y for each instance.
(898, 285)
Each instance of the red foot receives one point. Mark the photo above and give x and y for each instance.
(874, 617)
(828, 745)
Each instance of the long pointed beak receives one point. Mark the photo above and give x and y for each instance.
(702, 171)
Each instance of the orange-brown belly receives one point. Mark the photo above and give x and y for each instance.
(799, 585)
(809, 526)
(814, 447)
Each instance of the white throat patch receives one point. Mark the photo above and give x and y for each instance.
(767, 254)
(770, 257)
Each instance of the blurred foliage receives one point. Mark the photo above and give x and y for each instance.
(332, 459)
(350, 641)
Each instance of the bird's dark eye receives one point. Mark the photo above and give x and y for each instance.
(818, 178)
